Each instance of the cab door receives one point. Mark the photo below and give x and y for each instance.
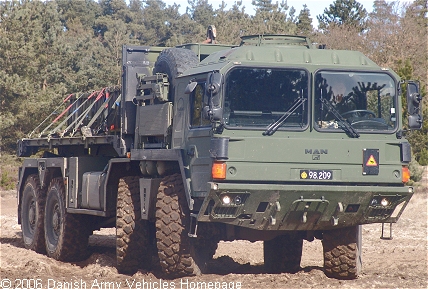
(198, 137)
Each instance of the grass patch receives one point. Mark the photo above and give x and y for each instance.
(9, 171)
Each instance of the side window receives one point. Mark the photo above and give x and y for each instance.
(197, 102)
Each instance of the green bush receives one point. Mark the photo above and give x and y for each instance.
(423, 157)
(416, 171)
(9, 165)
(7, 182)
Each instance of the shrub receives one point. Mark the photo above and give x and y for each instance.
(423, 157)
(7, 182)
(9, 165)
(416, 171)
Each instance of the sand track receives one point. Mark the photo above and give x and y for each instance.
(397, 263)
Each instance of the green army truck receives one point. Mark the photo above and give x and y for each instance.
(273, 140)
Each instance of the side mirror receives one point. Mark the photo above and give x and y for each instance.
(190, 87)
(415, 121)
(414, 103)
(212, 98)
(213, 83)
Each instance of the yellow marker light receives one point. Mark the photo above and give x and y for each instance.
(405, 174)
(218, 170)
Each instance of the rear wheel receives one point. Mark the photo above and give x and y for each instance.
(179, 255)
(66, 234)
(283, 253)
(32, 215)
(132, 233)
(342, 253)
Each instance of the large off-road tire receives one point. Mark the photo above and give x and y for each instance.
(174, 62)
(132, 233)
(66, 234)
(342, 252)
(283, 253)
(179, 255)
(32, 215)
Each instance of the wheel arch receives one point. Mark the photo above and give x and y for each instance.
(117, 169)
(46, 169)
(45, 179)
(176, 156)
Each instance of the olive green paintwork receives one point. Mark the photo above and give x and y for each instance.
(302, 207)
(266, 172)
(267, 169)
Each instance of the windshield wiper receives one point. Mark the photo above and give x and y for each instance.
(344, 124)
(273, 127)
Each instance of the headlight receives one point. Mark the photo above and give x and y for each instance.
(226, 200)
(384, 202)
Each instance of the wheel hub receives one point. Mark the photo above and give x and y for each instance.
(32, 214)
(56, 220)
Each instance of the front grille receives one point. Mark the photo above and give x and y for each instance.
(225, 212)
(377, 211)
(231, 210)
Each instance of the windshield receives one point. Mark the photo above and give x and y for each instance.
(365, 100)
(258, 97)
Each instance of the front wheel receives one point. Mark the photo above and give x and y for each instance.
(32, 215)
(283, 253)
(342, 252)
(66, 234)
(179, 255)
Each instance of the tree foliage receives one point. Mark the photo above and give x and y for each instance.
(343, 12)
(304, 22)
(49, 49)
(272, 18)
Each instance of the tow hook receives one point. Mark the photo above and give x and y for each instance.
(193, 232)
(277, 208)
(335, 218)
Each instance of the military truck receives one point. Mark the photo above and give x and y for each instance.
(274, 140)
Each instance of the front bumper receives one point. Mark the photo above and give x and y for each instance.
(302, 207)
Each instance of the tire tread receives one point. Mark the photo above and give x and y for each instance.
(132, 233)
(283, 253)
(73, 242)
(38, 242)
(341, 253)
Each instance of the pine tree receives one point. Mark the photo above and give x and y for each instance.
(32, 75)
(201, 12)
(232, 24)
(304, 22)
(84, 11)
(343, 12)
(273, 18)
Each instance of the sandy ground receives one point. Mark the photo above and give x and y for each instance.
(397, 263)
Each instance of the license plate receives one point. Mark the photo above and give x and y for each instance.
(316, 175)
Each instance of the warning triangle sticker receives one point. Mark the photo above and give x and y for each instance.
(371, 162)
